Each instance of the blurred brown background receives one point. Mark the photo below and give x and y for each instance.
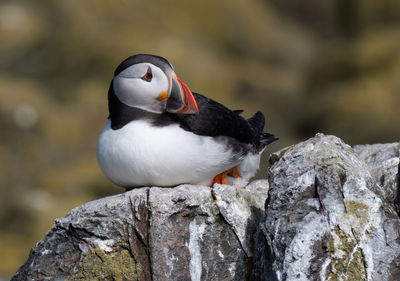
(311, 66)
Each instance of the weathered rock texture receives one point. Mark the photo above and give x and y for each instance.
(330, 215)
(383, 164)
(182, 233)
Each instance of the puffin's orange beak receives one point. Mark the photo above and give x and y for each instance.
(181, 99)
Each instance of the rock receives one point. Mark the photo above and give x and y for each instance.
(323, 219)
(327, 212)
(243, 209)
(189, 239)
(181, 233)
(96, 241)
(383, 163)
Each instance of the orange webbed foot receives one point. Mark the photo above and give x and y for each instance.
(220, 178)
(234, 173)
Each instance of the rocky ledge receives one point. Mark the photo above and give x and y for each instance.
(326, 212)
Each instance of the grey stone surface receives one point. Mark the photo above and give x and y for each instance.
(383, 163)
(180, 233)
(323, 219)
(189, 239)
(326, 212)
(79, 244)
(243, 209)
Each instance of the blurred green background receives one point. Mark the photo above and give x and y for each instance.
(311, 66)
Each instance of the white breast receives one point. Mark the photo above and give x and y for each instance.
(143, 155)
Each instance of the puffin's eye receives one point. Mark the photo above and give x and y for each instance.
(148, 76)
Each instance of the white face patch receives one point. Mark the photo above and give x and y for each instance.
(132, 90)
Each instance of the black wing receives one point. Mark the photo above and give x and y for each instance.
(214, 119)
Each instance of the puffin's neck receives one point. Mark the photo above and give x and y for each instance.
(121, 114)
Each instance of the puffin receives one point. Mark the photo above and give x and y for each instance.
(160, 133)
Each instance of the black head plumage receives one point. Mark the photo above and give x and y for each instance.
(156, 60)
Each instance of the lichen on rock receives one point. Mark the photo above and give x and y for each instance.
(118, 265)
(346, 261)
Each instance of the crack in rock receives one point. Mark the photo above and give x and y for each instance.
(242, 209)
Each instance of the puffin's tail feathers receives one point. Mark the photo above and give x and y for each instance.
(262, 139)
(257, 122)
